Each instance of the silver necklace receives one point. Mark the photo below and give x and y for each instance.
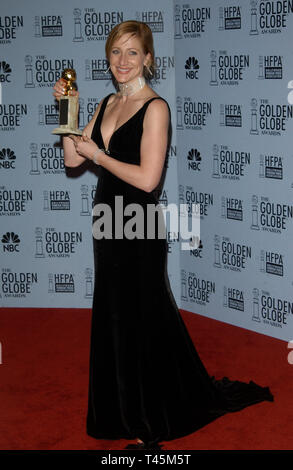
(127, 89)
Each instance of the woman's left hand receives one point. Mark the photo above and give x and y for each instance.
(84, 146)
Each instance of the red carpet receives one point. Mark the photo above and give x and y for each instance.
(44, 380)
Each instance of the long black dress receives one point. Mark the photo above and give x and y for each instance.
(146, 378)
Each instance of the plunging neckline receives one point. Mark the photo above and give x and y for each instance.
(122, 125)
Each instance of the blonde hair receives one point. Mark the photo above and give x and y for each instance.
(143, 33)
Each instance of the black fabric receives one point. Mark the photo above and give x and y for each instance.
(146, 378)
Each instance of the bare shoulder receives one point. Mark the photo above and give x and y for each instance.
(112, 99)
(158, 108)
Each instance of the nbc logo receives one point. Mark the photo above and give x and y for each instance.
(194, 159)
(10, 242)
(5, 71)
(7, 158)
(192, 68)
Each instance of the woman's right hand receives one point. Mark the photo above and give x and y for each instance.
(60, 88)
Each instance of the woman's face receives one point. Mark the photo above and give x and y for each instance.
(127, 58)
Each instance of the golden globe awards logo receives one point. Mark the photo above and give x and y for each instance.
(17, 284)
(192, 115)
(269, 119)
(270, 216)
(227, 69)
(229, 254)
(195, 289)
(56, 244)
(198, 201)
(14, 202)
(44, 72)
(8, 28)
(46, 158)
(190, 22)
(93, 25)
(11, 115)
(48, 26)
(229, 164)
(272, 311)
(272, 15)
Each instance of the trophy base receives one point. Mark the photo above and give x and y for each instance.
(63, 130)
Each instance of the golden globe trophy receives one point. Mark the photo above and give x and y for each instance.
(68, 107)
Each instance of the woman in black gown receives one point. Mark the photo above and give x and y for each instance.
(146, 381)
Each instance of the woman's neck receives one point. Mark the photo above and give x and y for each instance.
(132, 87)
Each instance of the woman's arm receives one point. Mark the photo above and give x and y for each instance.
(154, 141)
(71, 157)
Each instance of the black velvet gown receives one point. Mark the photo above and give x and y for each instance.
(146, 378)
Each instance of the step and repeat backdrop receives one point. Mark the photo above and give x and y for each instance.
(231, 152)
(234, 143)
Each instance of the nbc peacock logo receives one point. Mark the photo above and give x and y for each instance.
(5, 71)
(194, 159)
(10, 242)
(7, 158)
(192, 68)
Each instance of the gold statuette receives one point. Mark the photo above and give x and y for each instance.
(68, 107)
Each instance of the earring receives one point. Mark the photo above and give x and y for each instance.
(106, 71)
(149, 70)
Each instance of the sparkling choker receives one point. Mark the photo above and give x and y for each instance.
(127, 89)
